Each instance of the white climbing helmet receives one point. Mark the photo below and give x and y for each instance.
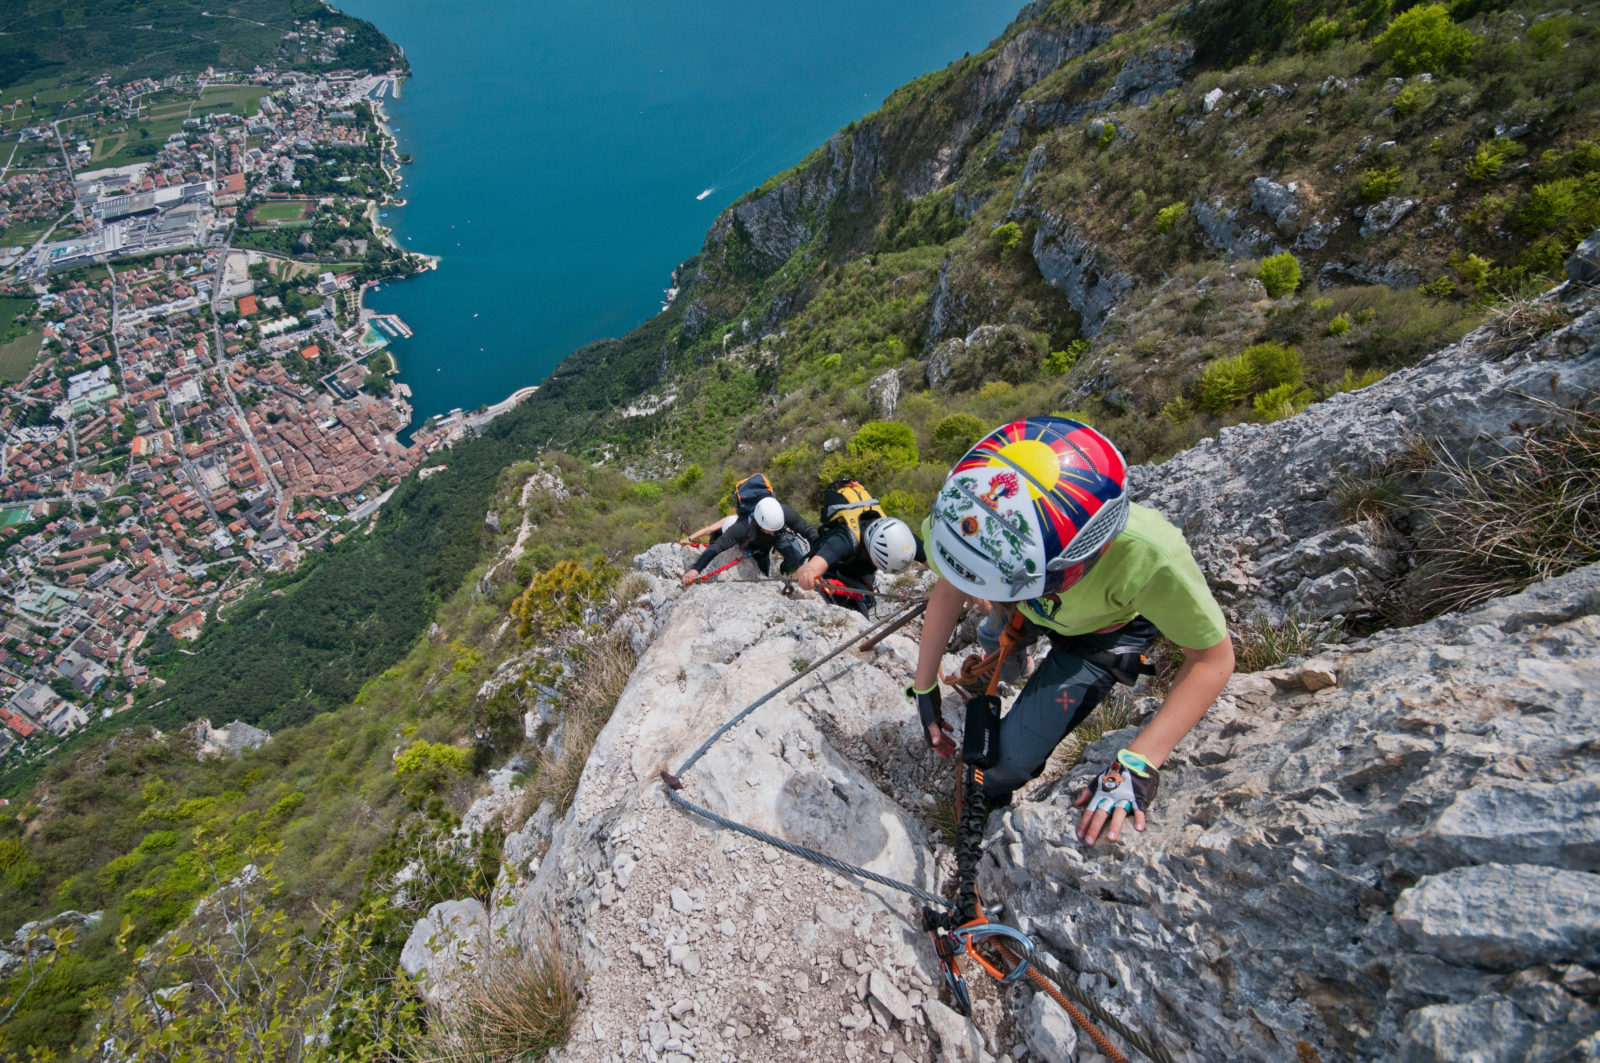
(891, 544)
(729, 521)
(769, 514)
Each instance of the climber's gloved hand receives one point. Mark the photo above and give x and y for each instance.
(1128, 784)
(934, 727)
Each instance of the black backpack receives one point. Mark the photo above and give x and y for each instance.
(749, 491)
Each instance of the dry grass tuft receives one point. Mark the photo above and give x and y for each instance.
(1498, 524)
(518, 1004)
(1269, 641)
(590, 697)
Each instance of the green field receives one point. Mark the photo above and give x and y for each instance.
(23, 235)
(18, 356)
(15, 515)
(229, 99)
(292, 210)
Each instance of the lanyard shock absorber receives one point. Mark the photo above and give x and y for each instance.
(958, 934)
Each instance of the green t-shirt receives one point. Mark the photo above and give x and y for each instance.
(1148, 571)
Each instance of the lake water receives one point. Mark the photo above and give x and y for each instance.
(560, 147)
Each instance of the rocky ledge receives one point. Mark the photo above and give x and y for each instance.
(1401, 866)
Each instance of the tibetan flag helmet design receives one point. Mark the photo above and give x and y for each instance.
(1029, 508)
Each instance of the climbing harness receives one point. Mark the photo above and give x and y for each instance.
(957, 928)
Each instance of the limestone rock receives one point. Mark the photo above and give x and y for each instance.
(1384, 216)
(958, 1041)
(1255, 501)
(1303, 842)
(1219, 225)
(213, 743)
(884, 392)
(444, 946)
(1281, 203)
(1071, 264)
(1504, 916)
(1048, 1031)
(1584, 265)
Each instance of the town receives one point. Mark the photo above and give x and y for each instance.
(194, 394)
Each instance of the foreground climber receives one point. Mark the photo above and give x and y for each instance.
(855, 543)
(1037, 514)
(759, 524)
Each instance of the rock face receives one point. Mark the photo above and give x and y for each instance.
(1072, 265)
(699, 941)
(1256, 502)
(212, 743)
(1312, 872)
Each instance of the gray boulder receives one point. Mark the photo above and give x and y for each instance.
(1584, 265)
(1504, 916)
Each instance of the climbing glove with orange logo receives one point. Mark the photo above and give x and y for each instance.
(1128, 782)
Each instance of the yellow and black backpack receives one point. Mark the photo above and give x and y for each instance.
(846, 502)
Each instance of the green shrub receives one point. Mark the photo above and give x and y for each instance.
(1108, 134)
(427, 766)
(1351, 382)
(1059, 363)
(1006, 236)
(1489, 158)
(1226, 383)
(1280, 274)
(895, 441)
(1441, 287)
(1280, 402)
(1274, 363)
(830, 361)
(1474, 270)
(1319, 33)
(1377, 183)
(1548, 36)
(1553, 206)
(685, 480)
(1425, 39)
(1170, 215)
(1339, 325)
(1415, 98)
(647, 492)
(954, 435)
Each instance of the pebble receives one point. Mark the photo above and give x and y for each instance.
(682, 903)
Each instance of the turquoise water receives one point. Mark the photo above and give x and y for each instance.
(559, 149)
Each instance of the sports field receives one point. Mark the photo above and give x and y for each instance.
(289, 210)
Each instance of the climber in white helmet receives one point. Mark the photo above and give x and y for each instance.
(855, 543)
(758, 525)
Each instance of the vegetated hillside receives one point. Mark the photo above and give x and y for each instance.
(65, 39)
(1069, 220)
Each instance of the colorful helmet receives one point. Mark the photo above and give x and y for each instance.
(769, 514)
(891, 544)
(1029, 509)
